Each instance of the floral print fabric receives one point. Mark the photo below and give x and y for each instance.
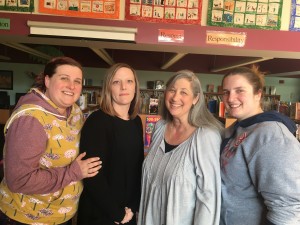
(62, 149)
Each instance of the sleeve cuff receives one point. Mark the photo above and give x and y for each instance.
(269, 223)
(75, 168)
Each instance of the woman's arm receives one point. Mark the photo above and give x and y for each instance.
(25, 143)
(208, 190)
(96, 140)
(275, 172)
(135, 205)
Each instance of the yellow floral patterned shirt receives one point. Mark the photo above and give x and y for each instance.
(61, 150)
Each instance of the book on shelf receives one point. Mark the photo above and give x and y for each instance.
(150, 122)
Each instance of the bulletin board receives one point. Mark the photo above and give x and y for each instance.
(164, 11)
(258, 14)
(109, 9)
(17, 5)
(295, 16)
(6, 79)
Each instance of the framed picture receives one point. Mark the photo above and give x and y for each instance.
(6, 79)
(210, 88)
(159, 84)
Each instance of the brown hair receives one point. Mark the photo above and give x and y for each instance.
(253, 75)
(50, 70)
(106, 102)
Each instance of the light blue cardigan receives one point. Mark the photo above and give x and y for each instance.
(183, 186)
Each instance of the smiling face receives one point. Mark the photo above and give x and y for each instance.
(179, 99)
(64, 87)
(123, 87)
(239, 98)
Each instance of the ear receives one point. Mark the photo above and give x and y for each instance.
(259, 95)
(47, 81)
(196, 99)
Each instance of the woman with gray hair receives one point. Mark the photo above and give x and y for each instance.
(181, 182)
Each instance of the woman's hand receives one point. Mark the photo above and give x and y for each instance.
(128, 216)
(89, 167)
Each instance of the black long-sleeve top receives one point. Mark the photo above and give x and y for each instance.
(119, 144)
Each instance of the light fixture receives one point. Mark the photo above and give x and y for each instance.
(82, 31)
(240, 63)
(103, 55)
(29, 50)
(173, 60)
(286, 74)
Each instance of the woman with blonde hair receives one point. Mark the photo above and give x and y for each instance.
(114, 133)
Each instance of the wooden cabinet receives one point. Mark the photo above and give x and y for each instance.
(4, 115)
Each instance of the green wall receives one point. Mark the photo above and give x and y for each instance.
(289, 90)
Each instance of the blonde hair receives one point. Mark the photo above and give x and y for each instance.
(106, 102)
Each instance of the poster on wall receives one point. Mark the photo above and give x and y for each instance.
(295, 16)
(17, 5)
(164, 11)
(108, 9)
(258, 14)
(149, 126)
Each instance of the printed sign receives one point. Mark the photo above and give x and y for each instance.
(260, 14)
(17, 5)
(81, 8)
(165, 35)
(4, 24)
(237, 39)
(149, 126)
(295, 16)
(164, 11)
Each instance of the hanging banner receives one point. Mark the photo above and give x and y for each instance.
(17, 5)
(261, 14)
(164, 11)
(109, 9)
(295, 16)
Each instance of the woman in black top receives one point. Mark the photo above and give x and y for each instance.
(114, 133)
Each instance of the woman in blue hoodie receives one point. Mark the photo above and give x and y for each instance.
(259, 157)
